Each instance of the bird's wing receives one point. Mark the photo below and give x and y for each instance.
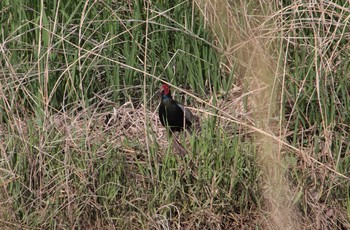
(188, 114)
(191, 118)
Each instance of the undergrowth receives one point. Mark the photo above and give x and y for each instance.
(80, 140)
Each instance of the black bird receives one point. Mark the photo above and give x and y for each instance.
(172, 114)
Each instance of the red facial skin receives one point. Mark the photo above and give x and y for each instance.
(165, 90)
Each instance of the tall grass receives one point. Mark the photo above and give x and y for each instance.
(66, 67)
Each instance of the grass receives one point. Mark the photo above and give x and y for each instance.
(268, 82)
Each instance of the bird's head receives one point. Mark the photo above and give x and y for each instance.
(165, 90)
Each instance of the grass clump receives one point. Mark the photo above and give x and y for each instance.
(80, 141)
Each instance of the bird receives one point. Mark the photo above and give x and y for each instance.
(172, 114)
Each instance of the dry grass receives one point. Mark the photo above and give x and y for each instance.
(259, 67)
(248, 43)
(74, 168)
(122, 129)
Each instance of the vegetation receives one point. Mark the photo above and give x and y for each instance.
(81, 144)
